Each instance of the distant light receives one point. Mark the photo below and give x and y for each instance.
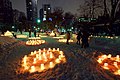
(50, 19)
(72, 28)
(38, 21)
(30, 3)
(48, 8)
(13, 26)
(45, 12)
(55, 25)
(44, 19)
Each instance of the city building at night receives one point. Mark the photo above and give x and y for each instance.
(41, 14)
(6, 15)
(31, 8)
(45, 12)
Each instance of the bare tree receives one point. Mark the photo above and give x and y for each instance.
(91, 8)
(112, 6)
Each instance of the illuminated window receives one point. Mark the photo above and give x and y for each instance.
(30, 3)
(48, 8)
(44, 16)
(44, 19)
(44, 12)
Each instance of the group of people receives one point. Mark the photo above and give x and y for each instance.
(31, 32)
(82, 36)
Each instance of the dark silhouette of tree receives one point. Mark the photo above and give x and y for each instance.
(68, 20)
(22, 22)
(91, 8)
(57, 16)
(114, 6)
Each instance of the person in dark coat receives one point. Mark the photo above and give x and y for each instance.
(68, 37)
(29, 33)
(35, 33)
(78, 37)
(85, 36)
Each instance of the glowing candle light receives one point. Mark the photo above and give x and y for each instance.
(60, 57)
(32, 53)
(42, 67)
(25, 61)
(45, 58)
(32, 69)
(53, 49)
(109, 56)
(39, 53)
(99, 60)
(37, 56)
(25, 57)
(51, 55)
(40, 57)
(51, 65)
(115, 64)
(44, 54)
(35, 52)
(117, 58)
(117, 72)
(104, 57)
(105, 66)
(57, 60)
(49, 49)
(61, 52)
(58, 49)
(44, 49)
(34, 61)
(48, 52)
(39, 50)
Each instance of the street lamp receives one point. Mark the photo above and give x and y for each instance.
(38, 21)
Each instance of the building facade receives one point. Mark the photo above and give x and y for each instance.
(31, 8)
(45, 12)
(6, 14)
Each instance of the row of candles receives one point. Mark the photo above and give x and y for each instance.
(41, 60)
(109, 37)
(35, 42)
(110, 63)
(64, 40)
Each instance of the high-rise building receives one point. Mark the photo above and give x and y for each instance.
(45, 12)
(41, 14)
(31, 6)
(6, 15)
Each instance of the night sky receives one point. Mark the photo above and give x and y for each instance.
(67, 5)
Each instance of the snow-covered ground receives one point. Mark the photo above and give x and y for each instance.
(81, 63)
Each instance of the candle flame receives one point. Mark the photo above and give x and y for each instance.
(51, 65)
(42, 67)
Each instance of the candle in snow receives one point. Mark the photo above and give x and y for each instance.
(58, 49)
(42, 67)
(109, 56)
(51, 65)
(105, 66)
(32, 69)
